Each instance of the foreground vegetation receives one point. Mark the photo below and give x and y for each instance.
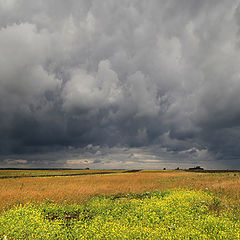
(175, 214)
(177, 205)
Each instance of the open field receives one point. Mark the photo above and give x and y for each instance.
(180, 214)
(149, 203)
(80, 188)
(51, 173)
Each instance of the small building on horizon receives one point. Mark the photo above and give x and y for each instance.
(196, 168)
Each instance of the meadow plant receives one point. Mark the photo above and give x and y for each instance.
(175, 214)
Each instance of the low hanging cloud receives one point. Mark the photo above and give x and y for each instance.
(148, 84)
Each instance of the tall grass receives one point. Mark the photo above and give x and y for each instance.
(80, 188)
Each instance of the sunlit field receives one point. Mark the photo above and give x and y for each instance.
(75, 189)
(138, 205)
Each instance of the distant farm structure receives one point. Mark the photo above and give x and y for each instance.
(197, 168)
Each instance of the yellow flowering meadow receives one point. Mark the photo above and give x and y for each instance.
(177, 214)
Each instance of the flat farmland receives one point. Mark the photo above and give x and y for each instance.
(120, 205)
(74, 189)
(48, 173)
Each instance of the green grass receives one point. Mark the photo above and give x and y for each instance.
(45, 173)
(176, 214)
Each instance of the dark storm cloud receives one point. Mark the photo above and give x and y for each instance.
(144, 82)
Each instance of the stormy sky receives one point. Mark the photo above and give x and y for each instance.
(120, 84)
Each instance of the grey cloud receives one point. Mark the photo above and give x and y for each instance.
(150, 74)
(91, 92)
